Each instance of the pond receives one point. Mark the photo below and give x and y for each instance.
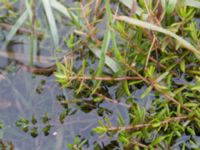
(72, 69)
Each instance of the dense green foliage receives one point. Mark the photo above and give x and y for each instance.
(144, 58)
(152, 49)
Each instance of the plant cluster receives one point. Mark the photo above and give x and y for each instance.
(154, 48)
(123, 47)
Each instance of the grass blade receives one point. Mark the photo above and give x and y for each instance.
(102, 55)
(63, 10)
(106, 42)
(104, 48)
(111, 21)
(51, 21)
(16, 26)
(108, 61)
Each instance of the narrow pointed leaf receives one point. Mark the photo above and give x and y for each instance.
(51, 21)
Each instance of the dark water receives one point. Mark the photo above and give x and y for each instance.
(18, 98)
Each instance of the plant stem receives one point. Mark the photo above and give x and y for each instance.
(140, 126)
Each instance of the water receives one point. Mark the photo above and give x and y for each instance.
(23, 94)
(19, 98)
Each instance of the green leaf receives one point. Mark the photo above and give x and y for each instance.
(70, 42)
(124, 139)
(104, 48)
(100, 130)
(191, 131)
(191, 104)
(126, 88)
(182, 65)
(59, 75)
(196, 88)
(146, 92)
(162, 76)
(156, 124)
(150, 71)
(65, 11)
(121, 119)
(158, 140)
(139, 114)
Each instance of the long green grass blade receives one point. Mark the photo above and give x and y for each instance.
(111, 22)
(63, 10)
(16, 26)
(106, 42)
(104, 48)
(51, 21)
(28, 8)
(153, 27)
(108, 61)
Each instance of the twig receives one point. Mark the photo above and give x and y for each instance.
(107, 98)
(140, 126)
(89, 26)
(151, 14)
(102, 78)
(149, 52)
(139, 144)
(97, 8)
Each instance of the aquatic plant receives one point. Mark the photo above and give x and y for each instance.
(141, 56)
(153, 51)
